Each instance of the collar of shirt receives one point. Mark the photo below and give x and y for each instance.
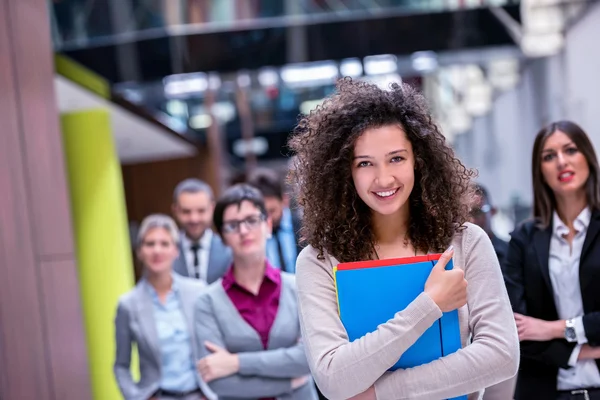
(271, 273)
(154, 294)
(580, 224)
(204, 241)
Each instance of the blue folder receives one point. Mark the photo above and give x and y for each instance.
(372, 292)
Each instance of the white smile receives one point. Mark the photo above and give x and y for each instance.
(387, 193)
(565, 175)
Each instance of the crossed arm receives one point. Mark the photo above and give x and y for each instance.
(268, 373)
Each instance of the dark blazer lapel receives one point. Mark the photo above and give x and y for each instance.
(180, 265)
(213, 255)
(283, 310)
(585, 267)
(541, 243)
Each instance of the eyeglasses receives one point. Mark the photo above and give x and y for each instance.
(251, 222)
(476, 211)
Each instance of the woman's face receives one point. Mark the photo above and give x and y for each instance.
(564, 168)
(246, 230)
(383, 169)
(158, 251)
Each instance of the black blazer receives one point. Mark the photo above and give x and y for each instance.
(530, 290)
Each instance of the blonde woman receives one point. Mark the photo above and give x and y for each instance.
(157, 316)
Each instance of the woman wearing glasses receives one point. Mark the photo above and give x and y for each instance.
(247, 324)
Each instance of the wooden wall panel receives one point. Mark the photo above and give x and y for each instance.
(32, 54)
(65, 335)
(21, 339)
(149, 186)
(39, 299)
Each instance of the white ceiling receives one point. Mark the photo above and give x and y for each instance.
(137, 140)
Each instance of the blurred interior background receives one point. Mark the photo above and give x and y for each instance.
(212, 89)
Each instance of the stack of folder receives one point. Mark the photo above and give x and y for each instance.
(371, 292)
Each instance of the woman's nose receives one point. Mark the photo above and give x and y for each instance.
(384, 178)
(561, 159)
(243, 228)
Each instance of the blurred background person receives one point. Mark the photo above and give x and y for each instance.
(552, 271)
(248, 330)
(292, 188)
(157, 315)
(202, 254)
(283, 246)
(481, 214)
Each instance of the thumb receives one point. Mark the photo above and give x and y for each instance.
(444, 259)
(213, 348)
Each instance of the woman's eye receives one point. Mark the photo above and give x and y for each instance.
(571, 150)
(397, 159)
(548, 157)
(363, 164)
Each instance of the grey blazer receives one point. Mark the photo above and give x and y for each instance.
(263, 373)
(135, 323)
(219, 260)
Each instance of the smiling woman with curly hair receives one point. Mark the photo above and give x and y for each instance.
(377, 180)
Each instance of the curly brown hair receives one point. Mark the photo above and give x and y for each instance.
(335, 218)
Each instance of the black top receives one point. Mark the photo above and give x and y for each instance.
(501, 248)
(530, 290)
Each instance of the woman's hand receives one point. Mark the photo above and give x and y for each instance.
(448, 289)
(589, 353)
(538, 330)
(219, 364)
(299, 382)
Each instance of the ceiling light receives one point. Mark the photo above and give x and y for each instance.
(309, 74)
(542, 45)
(200, 121)
(424, 61)
(268, 77)
(351, 67)
(214, 81)
(307, 106)
(243, 79)
(177, 108)
(257, 145)
(184, 84)
(381, 64)
(384, 81)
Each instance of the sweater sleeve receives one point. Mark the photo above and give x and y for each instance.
(343, 369)
(492, 356)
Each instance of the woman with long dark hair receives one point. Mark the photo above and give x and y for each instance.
(552, 270)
